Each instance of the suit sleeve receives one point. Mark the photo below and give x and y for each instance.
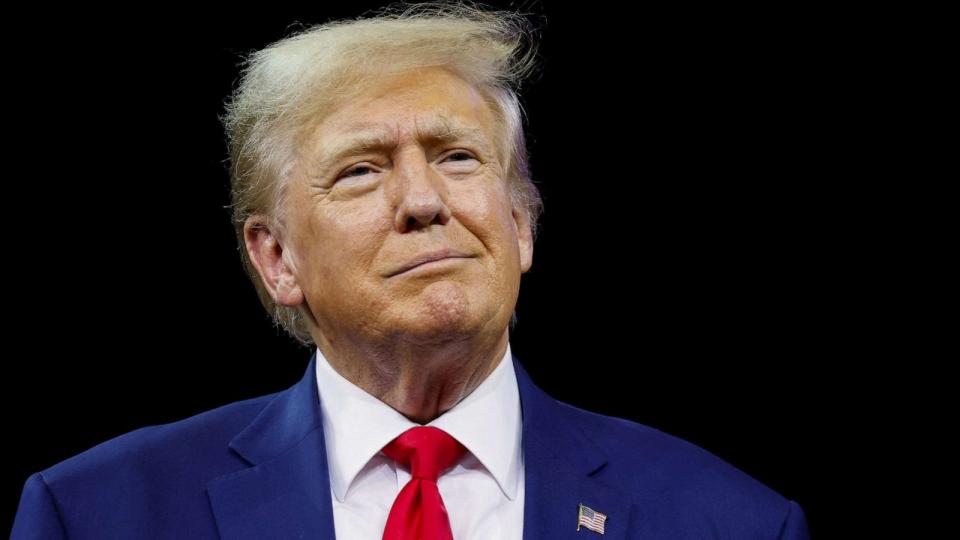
(795, 524)
(37, 516)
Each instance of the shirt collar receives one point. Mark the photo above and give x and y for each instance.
(487, 422)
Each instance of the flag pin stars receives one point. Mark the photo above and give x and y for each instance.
(591, 519)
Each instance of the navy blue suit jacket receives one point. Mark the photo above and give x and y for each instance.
(256, 469)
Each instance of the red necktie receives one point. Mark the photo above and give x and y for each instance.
(418, 512)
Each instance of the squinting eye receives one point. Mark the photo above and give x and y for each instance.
(352, 172)
(468, 156)
(349, 172)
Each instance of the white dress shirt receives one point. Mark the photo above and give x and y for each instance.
(483, 493)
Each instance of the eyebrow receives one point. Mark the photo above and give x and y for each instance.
(368, 136)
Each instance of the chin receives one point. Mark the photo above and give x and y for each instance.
(440, 327)
(436, 328)
(444, 311)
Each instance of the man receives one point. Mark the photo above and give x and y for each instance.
(382, 199)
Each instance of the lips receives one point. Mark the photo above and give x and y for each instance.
(428, 257)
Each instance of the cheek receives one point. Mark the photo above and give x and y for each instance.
(487, 214)
(338, 250)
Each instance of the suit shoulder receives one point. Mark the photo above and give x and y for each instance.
(198, 442)
(151, 478)
(644, 459)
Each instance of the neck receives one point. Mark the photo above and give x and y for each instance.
(420, 381)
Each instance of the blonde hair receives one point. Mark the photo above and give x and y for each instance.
(288, 86)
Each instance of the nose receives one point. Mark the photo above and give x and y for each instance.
(420, 193)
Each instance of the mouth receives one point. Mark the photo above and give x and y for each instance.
(433, 259)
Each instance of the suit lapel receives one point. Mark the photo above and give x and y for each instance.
(286, 491)
(559, 461)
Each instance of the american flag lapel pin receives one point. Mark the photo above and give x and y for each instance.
(591, 519)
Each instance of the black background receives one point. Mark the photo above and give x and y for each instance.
(692, 273)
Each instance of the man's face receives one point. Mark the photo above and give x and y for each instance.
(356, 220)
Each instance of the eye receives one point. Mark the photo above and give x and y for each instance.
(354, 170)
(460, 153)
(361, 170)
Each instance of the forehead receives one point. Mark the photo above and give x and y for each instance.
(429, 103)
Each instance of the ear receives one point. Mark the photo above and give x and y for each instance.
(521, 221)
(271, 261)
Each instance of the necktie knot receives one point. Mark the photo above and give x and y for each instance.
(418, 511)
(428, 451)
